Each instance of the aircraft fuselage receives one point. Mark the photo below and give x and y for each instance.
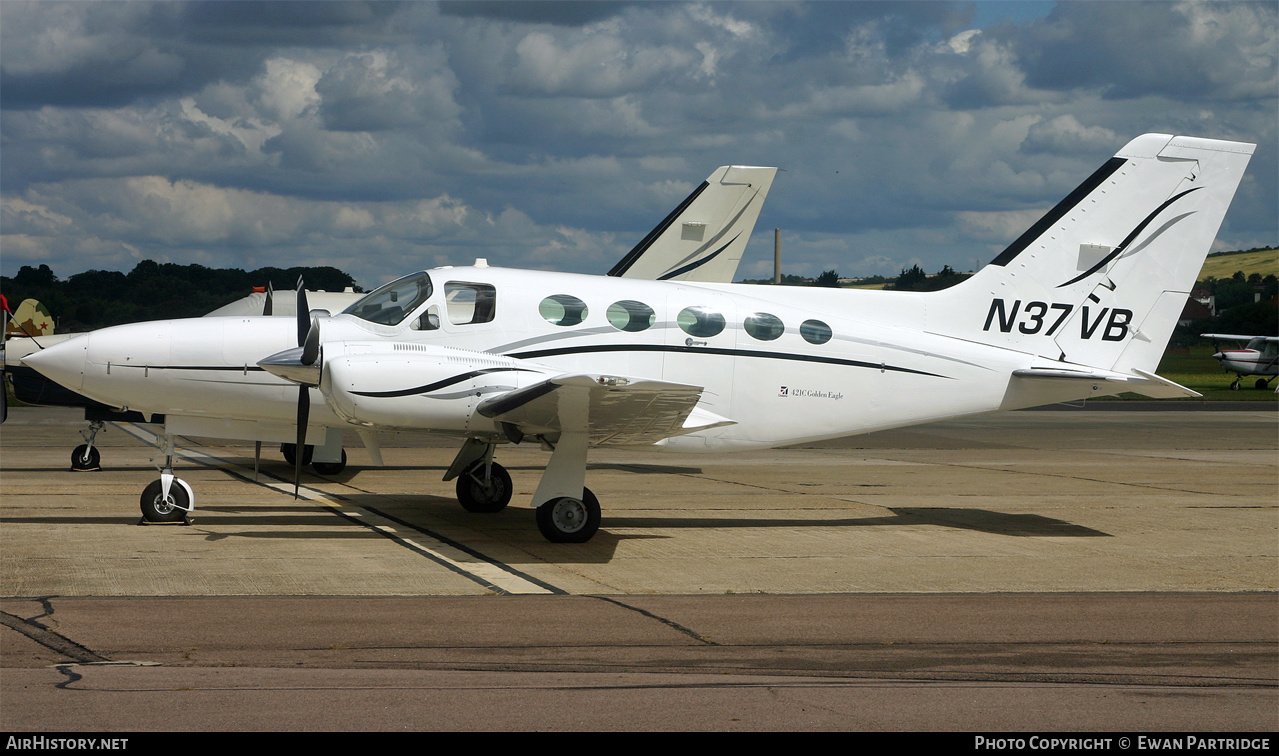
(786, 364)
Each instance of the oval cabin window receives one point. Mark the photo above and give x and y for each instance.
(815, 331)
(764, 326)
(562, 310)
(702, 322)
(629, 315)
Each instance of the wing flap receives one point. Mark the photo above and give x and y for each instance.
(620, 411)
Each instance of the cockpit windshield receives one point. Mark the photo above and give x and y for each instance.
(394, 302)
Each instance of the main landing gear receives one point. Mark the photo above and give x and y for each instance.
(484, 487)
(569, 520)
(1261, 383)
(168, 499)
(567, 511)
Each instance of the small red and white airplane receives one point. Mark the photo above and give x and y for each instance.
(1259, 357)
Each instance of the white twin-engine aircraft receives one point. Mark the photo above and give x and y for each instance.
(1080, 305)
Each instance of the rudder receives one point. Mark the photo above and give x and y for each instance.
(1101, 279)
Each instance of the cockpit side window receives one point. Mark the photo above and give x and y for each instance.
(394, 302)
(429, 320)
(470, 302)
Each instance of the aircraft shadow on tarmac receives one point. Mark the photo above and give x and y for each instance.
(403, 508)
(985, 521)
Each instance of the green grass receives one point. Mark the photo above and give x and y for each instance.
(1265, 262)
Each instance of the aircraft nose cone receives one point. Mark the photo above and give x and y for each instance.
(62, 363)
(1218, 356)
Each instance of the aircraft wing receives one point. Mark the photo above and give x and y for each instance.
(1236, 337)
(617, 411)
(285, 303)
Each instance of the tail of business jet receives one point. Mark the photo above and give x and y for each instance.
(1094, 289)
(704, 237)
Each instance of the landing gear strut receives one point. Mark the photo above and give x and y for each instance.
(567, 511)
(86, 456)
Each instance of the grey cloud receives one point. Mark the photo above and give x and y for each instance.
(376, 91)
(560, 13)
(1191, 52)
(906, 134)
(102, 54)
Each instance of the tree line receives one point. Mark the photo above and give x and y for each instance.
(153, 291)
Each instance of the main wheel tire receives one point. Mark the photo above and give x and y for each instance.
(330, 468)
(85, 457)
(1263, 384)
(569, 520)
(290, 455)
(476, 494)
(156, 508)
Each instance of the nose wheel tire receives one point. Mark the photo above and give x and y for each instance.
(85, 457)
(157, 508)
(569, 520)
(479, 494)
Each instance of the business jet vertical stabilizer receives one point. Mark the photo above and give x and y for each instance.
(704, 237)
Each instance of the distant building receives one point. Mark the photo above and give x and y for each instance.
(1207, 299)
(1197, 308)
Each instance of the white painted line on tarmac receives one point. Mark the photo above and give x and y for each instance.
(455, 557)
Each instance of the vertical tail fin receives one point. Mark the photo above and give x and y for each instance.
(704, 237)
(1102, 278)
(30, 319)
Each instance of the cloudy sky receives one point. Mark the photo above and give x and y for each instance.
(383, 137)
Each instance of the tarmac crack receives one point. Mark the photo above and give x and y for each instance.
(669, 623)
(51, 640)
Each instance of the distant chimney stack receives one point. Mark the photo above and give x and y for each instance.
(777, 255)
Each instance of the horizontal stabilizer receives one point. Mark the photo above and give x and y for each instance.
(1142, 382)
(620, 411)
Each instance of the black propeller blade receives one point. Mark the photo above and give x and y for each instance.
(311, 344)
(270, 294)
(304, 395)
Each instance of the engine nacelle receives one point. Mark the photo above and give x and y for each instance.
(419, 386)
